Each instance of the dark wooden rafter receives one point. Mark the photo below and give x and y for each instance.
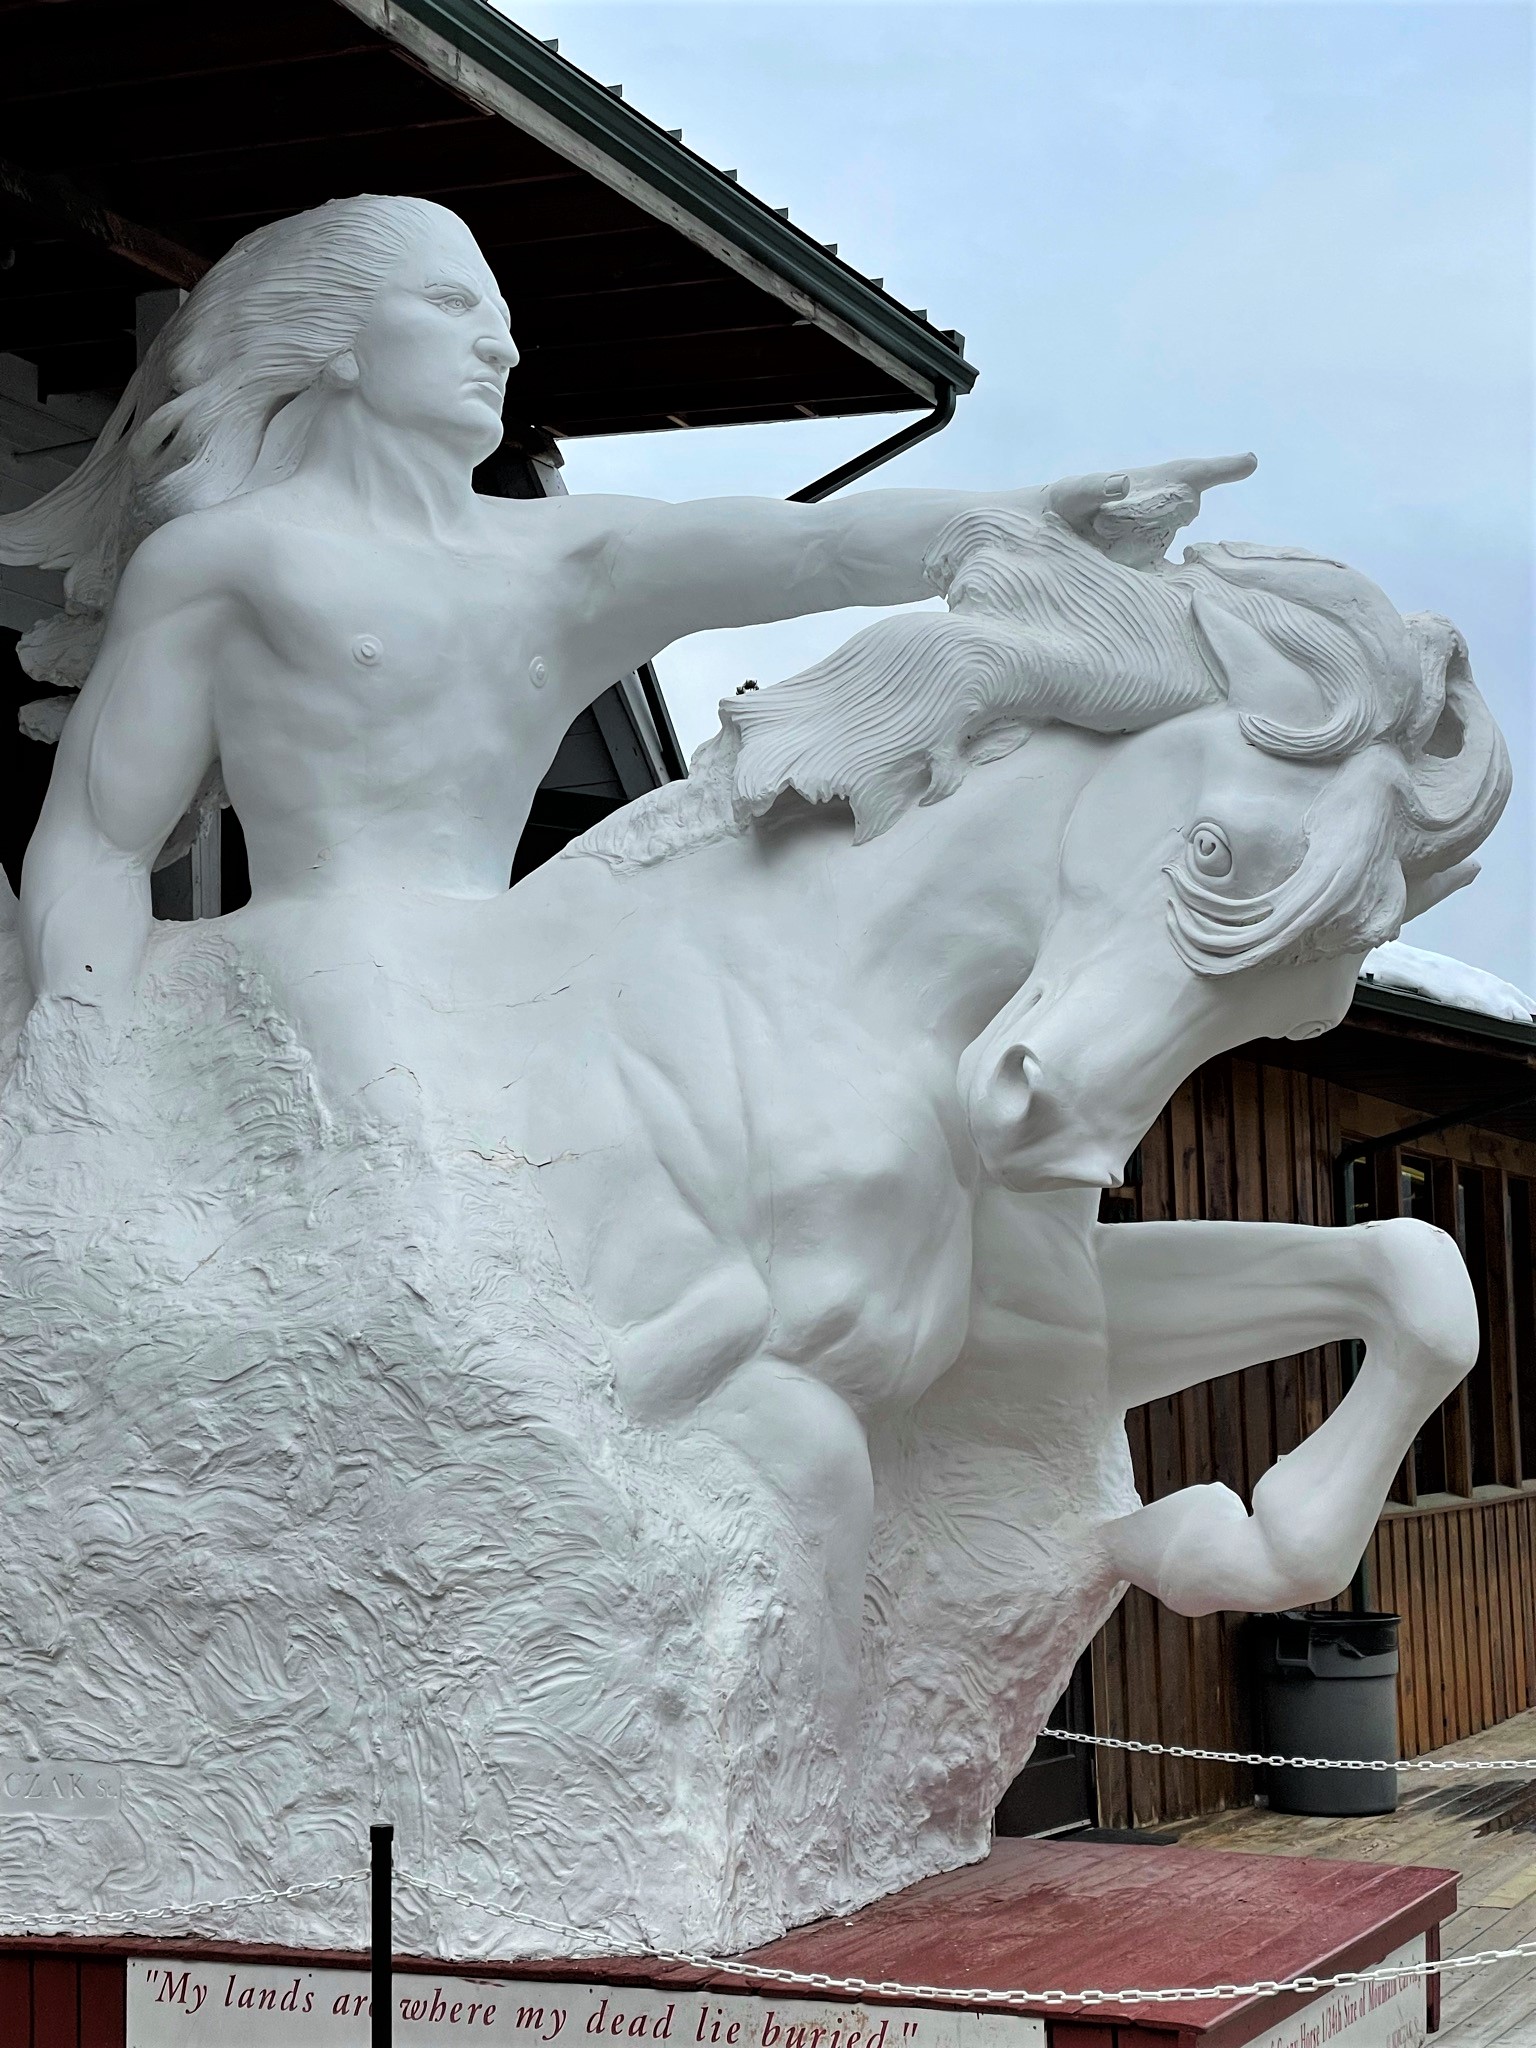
(327, 100)
(57, 202)
(100, 46)
(165, 137)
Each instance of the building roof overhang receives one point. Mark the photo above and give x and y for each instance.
(1426, 1057)
(648, 288)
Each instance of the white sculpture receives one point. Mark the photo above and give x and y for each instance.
(625, 1376)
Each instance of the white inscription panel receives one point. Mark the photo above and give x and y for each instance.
(238, 2005)
(83, 1791)
(1390, 2013)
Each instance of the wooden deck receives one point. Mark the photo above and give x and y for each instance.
(1485, 1827)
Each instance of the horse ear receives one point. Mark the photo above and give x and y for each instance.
(1458, 785)
(1425, 891)
(1255, 677)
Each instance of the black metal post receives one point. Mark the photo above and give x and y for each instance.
(381, 1845)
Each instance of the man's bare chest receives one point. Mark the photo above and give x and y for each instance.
(387, 622)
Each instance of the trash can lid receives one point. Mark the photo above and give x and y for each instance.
(1355, 1634)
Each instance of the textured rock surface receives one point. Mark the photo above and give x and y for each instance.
(319, 1506)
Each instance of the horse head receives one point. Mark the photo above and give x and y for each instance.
(1226, 870)
(1286, 769)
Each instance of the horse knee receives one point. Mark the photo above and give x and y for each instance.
(1429, 1309)
(802, 1435)
(1310, 1547)
(1199, 1551)
(665, 1367)
(1193, 1567)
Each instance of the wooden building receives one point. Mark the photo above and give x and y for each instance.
(1409, 1108)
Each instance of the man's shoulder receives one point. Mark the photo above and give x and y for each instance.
(196, 554)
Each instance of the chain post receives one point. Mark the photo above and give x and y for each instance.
(381, 1860)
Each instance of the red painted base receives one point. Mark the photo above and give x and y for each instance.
(1044, 1915)
(1069, 1914)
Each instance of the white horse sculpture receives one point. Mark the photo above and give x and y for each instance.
(624, 1376)
(790, 1220)
(770, 1631)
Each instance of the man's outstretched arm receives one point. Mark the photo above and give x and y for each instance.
(131, 756)
(663, 571)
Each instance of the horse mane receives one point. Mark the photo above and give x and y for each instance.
(1041, 628)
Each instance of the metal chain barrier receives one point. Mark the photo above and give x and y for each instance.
(1295, 1763)
(598, 1945)
(197, 1909)
(982, 1994)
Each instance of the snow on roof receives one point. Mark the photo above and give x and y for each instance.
(1444, 980)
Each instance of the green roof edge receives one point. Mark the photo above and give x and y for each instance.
(632, 139)
(1391, 1002)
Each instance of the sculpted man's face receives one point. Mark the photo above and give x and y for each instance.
(434, 351)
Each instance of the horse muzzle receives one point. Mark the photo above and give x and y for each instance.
(1028, 1134)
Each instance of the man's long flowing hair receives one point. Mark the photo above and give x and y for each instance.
(257, 330)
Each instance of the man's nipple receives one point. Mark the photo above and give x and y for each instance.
(367, 649)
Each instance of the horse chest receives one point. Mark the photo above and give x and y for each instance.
(860, 1227)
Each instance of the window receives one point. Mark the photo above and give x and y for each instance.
(1485, 1432)
(1472, 1234)
(1415, 1195)
(1521, 1221)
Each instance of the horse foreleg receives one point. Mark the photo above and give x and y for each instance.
(703, 1363)
(1189, 1301)
(804, 1439)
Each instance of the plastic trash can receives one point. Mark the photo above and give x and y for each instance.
(1328, 1687)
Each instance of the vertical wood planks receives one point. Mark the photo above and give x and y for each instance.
(1501, 1329)
(103, 2002)
(1463, 1577)
(63, 2001)
(15, 2002)
(55, 2002)
(1111, 1787)
(1255, 1142)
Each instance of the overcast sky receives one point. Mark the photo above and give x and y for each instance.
(1300, 227)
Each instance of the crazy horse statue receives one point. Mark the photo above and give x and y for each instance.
(624, 1377)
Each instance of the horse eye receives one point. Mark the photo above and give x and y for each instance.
(1210, 852)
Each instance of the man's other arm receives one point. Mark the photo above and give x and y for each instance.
(133, 751)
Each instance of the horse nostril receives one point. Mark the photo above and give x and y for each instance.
(1017, 1075)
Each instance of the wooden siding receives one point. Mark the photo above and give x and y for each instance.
(1463, 1577)
(1256, 1142)
(62, 2001)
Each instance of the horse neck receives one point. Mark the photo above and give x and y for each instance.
(940, 917)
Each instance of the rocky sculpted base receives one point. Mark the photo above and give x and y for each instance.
(319, 1506)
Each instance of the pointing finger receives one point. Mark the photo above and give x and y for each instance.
(1204, 472)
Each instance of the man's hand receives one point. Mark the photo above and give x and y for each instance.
(1132, 515)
